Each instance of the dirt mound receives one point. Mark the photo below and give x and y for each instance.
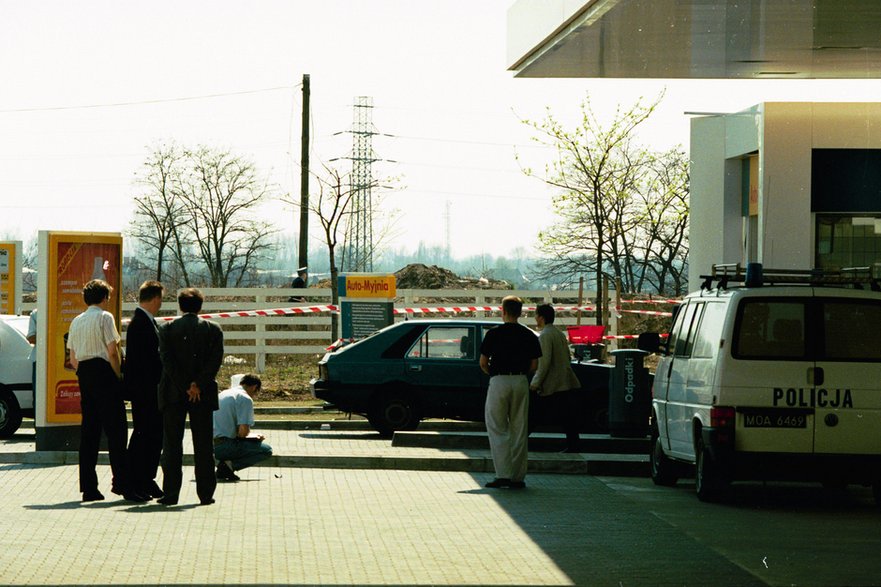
(420, 276)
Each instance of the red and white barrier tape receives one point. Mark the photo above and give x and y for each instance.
(651, 301)
(644, 312)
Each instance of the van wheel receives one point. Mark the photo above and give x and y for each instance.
(876, 491)
(10, 414)
(392, 411)
(663, 468)
(709, 481)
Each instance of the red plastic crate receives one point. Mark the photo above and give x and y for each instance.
(585, 334)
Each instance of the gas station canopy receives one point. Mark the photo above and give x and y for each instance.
(745, 39)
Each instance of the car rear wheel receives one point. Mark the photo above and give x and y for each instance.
(10, 414)
(663, 468)
(392, 411)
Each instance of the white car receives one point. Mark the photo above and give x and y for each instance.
(16, 394)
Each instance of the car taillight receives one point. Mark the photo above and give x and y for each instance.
(722, 417)
(322, 371)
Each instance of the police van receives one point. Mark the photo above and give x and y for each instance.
(771, 375)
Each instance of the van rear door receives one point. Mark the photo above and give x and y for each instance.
(770, 366)
(847, 395)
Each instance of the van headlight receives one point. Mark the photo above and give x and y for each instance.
(322, 371)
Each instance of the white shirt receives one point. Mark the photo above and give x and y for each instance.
(90, 333)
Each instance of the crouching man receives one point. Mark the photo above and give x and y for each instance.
(235, 446)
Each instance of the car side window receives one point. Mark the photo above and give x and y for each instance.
(709, 332)
(853, 330)
(445, 342)
(683, 342)
(770, 329)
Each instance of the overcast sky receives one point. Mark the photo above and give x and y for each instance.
(90, 86)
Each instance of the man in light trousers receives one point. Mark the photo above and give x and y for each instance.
(507, 354)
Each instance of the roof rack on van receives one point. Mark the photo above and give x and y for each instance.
(754, 275)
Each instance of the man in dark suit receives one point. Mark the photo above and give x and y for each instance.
(142, 370)
(191, 350)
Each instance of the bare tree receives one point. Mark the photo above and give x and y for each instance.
(159, 224)
(218, 194)
(333, 206)
(200, 209)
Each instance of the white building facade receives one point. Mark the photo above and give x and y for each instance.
(793, 185)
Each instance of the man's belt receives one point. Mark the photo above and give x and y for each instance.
(510, 373)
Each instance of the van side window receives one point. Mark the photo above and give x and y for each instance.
(853, 330)
(770, 329)
(684, 340)
(709, 331)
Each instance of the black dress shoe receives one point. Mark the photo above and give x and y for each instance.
(498, 483)
(224, 473)
(517, 485)
(167, 500)
(208, 501)
(153, 490)
(135, 497)
(92, 496)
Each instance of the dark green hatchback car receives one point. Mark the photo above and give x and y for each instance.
(430, 369)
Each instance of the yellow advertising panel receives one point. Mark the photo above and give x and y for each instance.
(754, 185)
(368, 286)
(74, 259)
(10, 284)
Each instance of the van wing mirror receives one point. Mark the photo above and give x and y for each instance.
(649, 341)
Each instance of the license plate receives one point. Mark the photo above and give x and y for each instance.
(775, 419)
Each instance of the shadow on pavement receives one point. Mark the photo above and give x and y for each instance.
(344, 436)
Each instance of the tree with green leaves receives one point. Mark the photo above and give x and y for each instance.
(607, 199)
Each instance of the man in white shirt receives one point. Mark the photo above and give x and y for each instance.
(236, 447)
(94, 352)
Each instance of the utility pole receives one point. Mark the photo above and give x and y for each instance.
(304, 178)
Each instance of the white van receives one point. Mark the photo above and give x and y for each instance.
(771, 375)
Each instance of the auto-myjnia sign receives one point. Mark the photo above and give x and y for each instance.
(367, 303)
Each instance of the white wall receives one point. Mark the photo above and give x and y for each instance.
(784, 134)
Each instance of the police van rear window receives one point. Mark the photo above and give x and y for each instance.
(771, 329)
(808, 329)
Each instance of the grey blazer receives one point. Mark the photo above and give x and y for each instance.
(554, 371)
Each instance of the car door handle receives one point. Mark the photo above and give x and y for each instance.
(416, 368)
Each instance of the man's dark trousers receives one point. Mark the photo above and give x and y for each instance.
(102, 409)
(202, 428)
(143, 369)
(145, 444)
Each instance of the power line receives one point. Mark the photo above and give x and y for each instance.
(154, 101)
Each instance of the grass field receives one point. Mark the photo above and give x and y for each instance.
(286, 378)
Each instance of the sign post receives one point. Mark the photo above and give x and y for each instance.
(10, 277)
(67, 261)
(367, 302)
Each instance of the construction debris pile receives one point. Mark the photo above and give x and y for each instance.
(420, 276)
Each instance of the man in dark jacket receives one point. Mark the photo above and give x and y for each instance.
(142, 370)
(191, 350)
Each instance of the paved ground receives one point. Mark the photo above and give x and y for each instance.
(343, 527)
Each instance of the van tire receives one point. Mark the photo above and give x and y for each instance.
(663, 469)
(708, 479)
(876, 491)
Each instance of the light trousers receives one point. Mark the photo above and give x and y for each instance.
(507, 421)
